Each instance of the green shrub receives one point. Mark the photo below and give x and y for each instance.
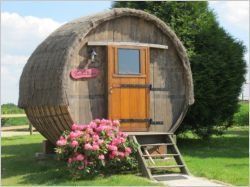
(241, 118)
(11, 108)
(3, 121)
(97, 148)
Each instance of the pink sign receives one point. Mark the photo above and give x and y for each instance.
(84, 73)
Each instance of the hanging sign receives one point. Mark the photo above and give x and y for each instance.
(84, 73)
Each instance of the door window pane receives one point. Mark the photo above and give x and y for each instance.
(128, 61)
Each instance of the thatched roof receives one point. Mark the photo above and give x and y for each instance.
(44, 78)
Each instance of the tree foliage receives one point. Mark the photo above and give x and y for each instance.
(11, 108)
(217, 62)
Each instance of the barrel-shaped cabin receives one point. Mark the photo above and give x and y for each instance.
(121, 64)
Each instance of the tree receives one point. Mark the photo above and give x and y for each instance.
(217, 62)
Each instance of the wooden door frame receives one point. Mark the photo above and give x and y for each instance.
(144, 72)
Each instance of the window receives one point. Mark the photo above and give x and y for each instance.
(128, 61)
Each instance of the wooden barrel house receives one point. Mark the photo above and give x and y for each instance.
(121, 64)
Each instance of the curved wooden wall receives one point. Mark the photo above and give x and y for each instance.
(88, 98)
(53, 101)
(50, 121)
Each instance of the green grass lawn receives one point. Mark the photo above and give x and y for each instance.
(19, 167)
(224, 158)
(15, 121)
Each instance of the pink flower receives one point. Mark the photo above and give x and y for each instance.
(80, 157)
(74, 127)
(86, 162)
(110, 134)
(73, 135)
(100, 128)
(121, 154)
(74, 143)
(95, 147)
(108, 122)
(128, 150)
(70, 160)
(97, 120)
(95, 137)
(87, 146)
(111, 156)
(104, 121)
(82, 127)
(112, 148)
(61, 142)
(116, 123)
(100, 142)
(93, 124)
(117, 141)
(122, 134)
(86, 137)
(89, 130)
(115, 153)
(108, 128)
(123, 140)
(101, 157)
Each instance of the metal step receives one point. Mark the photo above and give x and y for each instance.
(160, 155)
(156, 144)
(165, 167)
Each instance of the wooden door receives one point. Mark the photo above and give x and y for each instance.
(128, 87)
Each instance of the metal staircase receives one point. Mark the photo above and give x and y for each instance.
(155, 163)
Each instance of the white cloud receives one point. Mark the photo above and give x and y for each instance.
(20, 35)
(238, 13)
(235, 13)
(7, 59)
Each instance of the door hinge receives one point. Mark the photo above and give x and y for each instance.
(134, 120)
(151, 88)
(146, 120)
(135, 86)
(156, 122)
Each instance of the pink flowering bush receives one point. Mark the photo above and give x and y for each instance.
(95, 147)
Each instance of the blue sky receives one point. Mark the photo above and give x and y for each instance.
(60, 11)
(25, 24)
